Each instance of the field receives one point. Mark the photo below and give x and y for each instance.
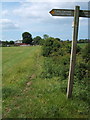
(26, 94)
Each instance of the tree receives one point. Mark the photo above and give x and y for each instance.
(11, 42)
(51, 47)
(36, 40)
(58, 39)
(45, 36)
(27, 38)
(5, 43)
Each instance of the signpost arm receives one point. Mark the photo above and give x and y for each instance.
(73, 52)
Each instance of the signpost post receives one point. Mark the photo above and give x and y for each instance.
(76, 13)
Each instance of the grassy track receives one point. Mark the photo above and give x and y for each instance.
(27, 95)
(82, 45)
(19, 67)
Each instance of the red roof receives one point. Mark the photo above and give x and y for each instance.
(22, 44)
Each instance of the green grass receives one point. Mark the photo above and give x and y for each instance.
(82, 45)
(27, 95)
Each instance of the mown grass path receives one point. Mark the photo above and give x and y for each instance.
(20, 65)
(27, 95)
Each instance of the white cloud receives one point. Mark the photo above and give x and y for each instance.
(4, 12)
(84, 22)
(38, 11)
(31, 10)
(7, 24)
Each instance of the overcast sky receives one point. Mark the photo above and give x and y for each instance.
(34, 17)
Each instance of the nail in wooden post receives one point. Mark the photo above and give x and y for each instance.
(73, 52)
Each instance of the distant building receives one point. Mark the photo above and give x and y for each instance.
(18, 41)
(22, 44)
(8, 45)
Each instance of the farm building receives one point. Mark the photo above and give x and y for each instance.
(22, 44)
(18, 41)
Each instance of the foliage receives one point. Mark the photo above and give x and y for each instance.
(81, 71)
(78, 49)
(55, 47)
(58, 39)
(83, 41)
(27, 38)
(56, 66)
(11, 42)
(50, 46)
(42, 41)
(82, 77)
(45, 36)
(5, 43)
(36, 40)
(86, 53)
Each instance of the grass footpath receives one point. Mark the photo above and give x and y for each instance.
(27, 95)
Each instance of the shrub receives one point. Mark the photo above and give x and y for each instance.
(81, 71)
(86, 53)
(54, 67)
(78, 49)
(50, 46)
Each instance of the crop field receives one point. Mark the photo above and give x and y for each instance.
(27, 94)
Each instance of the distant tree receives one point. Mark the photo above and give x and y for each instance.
(27, 38)
(5, 43)
(68, 41)
(45, 36)
(58, 39)
(11, 42)
(37, 40)
(83, 41)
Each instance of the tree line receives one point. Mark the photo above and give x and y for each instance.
(27, 38)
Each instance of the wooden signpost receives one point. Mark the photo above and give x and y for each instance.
(69, 12)
(76, 13)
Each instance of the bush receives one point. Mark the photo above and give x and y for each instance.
(50, 46)
(78, 49)
(86, 53)
(56, 67)
(46, 51)
(81, 91)
(81, 71)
